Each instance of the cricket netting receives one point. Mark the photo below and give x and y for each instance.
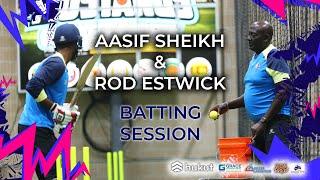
(300, 21)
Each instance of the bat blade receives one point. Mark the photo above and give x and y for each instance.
(83, 78)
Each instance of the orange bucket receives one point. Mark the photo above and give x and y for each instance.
(235, 151)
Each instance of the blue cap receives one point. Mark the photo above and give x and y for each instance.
(67, 33)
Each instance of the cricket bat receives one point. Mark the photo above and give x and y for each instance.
(83, 78)
(82, 81)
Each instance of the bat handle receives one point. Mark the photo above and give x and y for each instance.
(74, 99)
(61, 130)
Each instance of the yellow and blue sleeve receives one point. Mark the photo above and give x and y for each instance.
(277, 76)
(278, 69)
(49, 72)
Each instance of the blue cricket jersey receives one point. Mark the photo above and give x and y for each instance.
(50, 80)
(263, 73)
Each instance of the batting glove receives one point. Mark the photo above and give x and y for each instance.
(63, 115)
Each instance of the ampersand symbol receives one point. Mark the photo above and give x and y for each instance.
(159, 64)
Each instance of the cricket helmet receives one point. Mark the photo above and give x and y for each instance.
(66, 34)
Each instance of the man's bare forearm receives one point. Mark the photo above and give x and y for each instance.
(46, 103)
(275, 107)
(237, 103)
(278, 102)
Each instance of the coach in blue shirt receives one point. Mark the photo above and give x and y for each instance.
(266, 94)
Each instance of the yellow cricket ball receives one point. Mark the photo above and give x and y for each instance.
(214, 115)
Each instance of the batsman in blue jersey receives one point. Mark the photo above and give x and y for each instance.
(267, 90)
(46, 93)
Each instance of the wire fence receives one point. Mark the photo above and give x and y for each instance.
(300, 21)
